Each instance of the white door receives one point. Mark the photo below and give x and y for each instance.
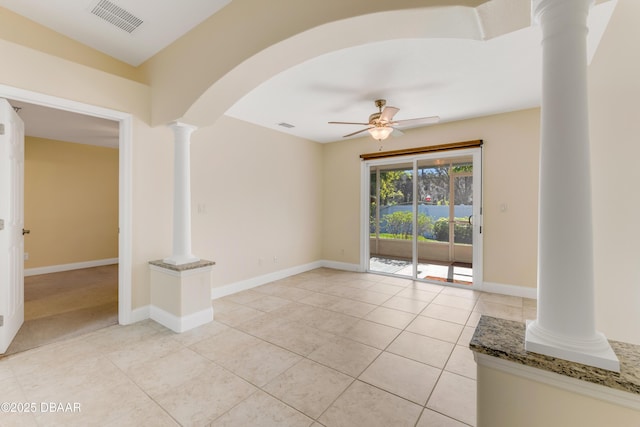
(11, 224)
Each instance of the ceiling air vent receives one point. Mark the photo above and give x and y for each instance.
(286, 125)
(116, 15)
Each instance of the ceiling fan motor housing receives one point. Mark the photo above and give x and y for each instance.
(374, 118)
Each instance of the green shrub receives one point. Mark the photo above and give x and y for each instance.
(463, 233)
(400, 224)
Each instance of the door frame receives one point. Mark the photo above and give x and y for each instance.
(125, 180)
(476, 154)
(452, 221)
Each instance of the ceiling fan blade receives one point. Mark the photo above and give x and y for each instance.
(416, 122)
(355, 133)
(348, 123)
(388, 113)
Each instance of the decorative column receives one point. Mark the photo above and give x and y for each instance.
(181, 196)
(181, 284)
(565, 327)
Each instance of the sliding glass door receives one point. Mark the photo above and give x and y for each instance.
(391, 219)
(424, 217)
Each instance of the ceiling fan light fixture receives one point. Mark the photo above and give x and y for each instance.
(381, 123)
(380, 132)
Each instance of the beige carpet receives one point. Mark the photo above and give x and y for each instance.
(66, 304)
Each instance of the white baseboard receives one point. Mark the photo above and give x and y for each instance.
(342, 266)
(512, 290)
(181, 324)
(243, 285)
(139, 314)
(68, 267)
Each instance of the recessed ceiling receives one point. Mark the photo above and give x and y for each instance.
(454, 79)
(451, 78)
(162, 22)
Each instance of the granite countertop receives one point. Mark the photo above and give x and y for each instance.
(504, 339)
(182, 267)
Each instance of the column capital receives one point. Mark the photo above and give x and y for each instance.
(181, 125)
(539, 7)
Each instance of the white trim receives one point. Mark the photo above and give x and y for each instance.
(365, 191)
(139, 314)
(125, 180)
(243, 285)
(68, 267)
(183, 323)
(573, 385)
(125, 221)
(478, 217)
(512, 290)
(342, 266)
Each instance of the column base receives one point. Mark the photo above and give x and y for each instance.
(596, 352)
(180, 260)
(181, 294)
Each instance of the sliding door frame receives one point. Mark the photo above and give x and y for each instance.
(365, 180)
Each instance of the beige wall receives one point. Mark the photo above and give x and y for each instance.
(26, 68)
(71, 202)
(614, 90)
(507, 400)
(18, 29)
(256, 195)
(152, 203)
(510, 168)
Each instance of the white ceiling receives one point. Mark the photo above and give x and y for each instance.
(452, 78)
(163, 22)
(60, 125)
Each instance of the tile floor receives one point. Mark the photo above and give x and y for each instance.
(323, 348)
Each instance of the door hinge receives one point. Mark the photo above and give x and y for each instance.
(1, 128)
(1, 320)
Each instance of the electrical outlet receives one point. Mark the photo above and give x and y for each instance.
(275, 259)
(26, 256)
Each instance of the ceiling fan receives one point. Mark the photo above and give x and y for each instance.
(381, 124)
